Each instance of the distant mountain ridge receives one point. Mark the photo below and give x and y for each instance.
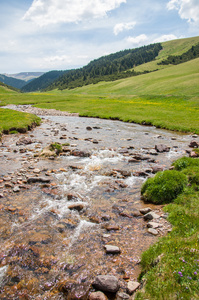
(26, 76)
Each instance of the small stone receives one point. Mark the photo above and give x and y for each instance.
(145, 210)
(112, 227)
(153, 231)
(154, 225)
(36, 171)
(97, 296)
(106, 283)
(132, 286)
(122, 296)
(151, 216)
(88, 128)
(77, 206)
(16, 189)
(110, 249)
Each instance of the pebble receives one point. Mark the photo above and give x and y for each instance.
(132, 286)
(151, 216)
(110, 249)
(153, 231)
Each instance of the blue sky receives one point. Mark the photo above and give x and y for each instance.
(44, 35)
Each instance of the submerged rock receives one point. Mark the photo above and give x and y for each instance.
(97, 296)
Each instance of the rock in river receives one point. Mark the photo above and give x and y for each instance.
(106, 283)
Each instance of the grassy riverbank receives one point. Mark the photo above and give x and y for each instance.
(171, 266)
(12, 121)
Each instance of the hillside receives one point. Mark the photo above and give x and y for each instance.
(108, 68)
(4, 88)
(16, 83)
(42, 82)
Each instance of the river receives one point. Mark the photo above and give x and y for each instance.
(53, 233)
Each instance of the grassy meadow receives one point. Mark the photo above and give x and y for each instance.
(168, 98)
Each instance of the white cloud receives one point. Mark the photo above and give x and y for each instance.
(187, 9)
(138, 40)
(45, 12)
(123, 26)
(165, 38)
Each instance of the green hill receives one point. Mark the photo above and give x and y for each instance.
(42, 82)
(16, 83)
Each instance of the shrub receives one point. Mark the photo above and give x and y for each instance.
(56, 147)
(164, 187)
(185, 162)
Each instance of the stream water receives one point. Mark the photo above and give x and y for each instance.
(53, 234)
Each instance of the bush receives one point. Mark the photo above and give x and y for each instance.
(185, 162)
(164, 187)
(56, 147)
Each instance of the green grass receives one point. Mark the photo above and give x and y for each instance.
(12, 121)
(171, 266)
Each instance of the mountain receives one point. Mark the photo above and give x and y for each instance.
(26, 76)
(43, 81)
(16, 83)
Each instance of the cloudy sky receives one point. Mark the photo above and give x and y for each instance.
(43, 35)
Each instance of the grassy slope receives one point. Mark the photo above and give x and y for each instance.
(175, 47)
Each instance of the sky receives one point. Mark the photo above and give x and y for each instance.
(45, 35)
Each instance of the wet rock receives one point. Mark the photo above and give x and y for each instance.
(156, 169)
(162, 148)
(153, 152)
(145, 210)
(110, 249)
(122, 296)
(38, 237)
(36, 171)
(194, 144)
(106, 283)
(95, 142)
(79, 292)
(80, 153)
(153, 231)
(105, 217)
(77, 206)
(151, 216)
(132, 286)
(24, 141)
(125, 214)
(140, 174)
(154, 225)
(38, 179)
(88, 128)
(16, 189)
(112, 227)
(97, 296)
